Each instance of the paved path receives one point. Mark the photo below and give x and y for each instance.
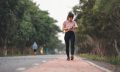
(61, 65)
(21, 63)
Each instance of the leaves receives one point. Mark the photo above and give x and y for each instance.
(99, 24)
(22, 23)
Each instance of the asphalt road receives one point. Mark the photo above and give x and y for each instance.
(21, 63)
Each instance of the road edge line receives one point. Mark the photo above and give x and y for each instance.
(102, 68)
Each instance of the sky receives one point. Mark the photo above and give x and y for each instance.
(58, 9)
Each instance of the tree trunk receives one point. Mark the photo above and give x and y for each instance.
(116, 48)
(5, 47)
(100, 46)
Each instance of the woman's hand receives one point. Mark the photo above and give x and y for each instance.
(65, 29)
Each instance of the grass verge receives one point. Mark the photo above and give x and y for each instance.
(112, 60)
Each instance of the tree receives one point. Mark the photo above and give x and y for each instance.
(22, 23)
(98, 30)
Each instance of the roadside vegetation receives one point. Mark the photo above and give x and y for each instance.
(98, 33)
(21, 23)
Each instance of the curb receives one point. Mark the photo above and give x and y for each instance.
(102, 68)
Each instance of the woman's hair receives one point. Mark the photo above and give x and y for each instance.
(70, 14)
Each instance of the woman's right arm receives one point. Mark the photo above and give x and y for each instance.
(64, 29)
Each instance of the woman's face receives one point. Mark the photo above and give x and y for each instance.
(70, 19)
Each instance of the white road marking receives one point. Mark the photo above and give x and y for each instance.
(44, 61)
(104, 69)
(21, 69)
(36, 64)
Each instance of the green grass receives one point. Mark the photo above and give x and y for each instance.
(112, 60)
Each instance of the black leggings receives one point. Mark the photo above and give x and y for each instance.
(69, 37)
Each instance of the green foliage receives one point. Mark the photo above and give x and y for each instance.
(22, 23)
(99, 26)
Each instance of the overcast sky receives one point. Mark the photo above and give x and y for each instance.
(58, 9)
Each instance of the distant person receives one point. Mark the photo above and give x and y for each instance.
(46, 50)
(69, 27)
(35, 47)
